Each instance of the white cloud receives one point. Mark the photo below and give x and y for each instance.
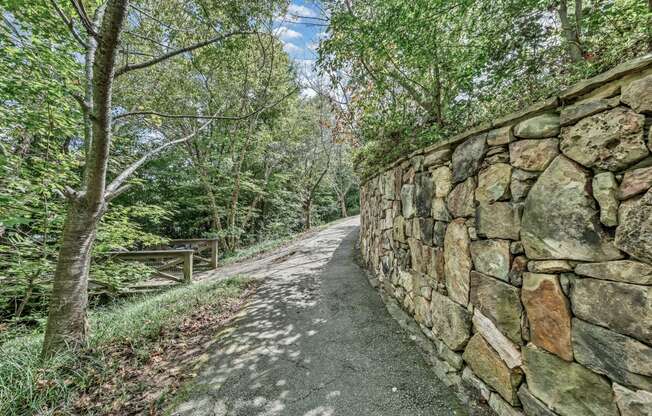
(291, 47)
(286, 33)
(301, 10)
(313, 46)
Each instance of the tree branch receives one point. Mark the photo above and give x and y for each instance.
(116, 184)
(162, 23)
(69, 24)
(83, 16)
(145, 64)
(201, 117)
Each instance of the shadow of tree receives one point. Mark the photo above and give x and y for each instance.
(316, 340)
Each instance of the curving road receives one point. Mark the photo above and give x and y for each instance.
(315, 340)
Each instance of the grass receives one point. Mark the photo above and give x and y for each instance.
(256, 249)
(30, 386)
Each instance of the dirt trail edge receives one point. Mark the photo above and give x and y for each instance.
(316, 340)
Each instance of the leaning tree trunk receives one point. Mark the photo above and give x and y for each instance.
(67, 323)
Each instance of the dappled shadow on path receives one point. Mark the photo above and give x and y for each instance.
(316, 341)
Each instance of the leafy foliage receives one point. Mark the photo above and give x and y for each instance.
(457, 63)
(242, 180)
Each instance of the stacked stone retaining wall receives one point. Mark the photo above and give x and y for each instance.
(523, 250)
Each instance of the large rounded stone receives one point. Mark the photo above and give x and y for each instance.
(560, 220)
(450, 321)
(618, 357)
(493, 183)
(486, 364)
(569, 389)
(548, 314)
(622, 307)
(467, 157)
(491, 257)
(545, 125)
(638, 95)
(498, 220)
(634, 232)
(461, 201)
(533, 155)
(442, 178)
(611, 140)
(498, 301)
(457, 261)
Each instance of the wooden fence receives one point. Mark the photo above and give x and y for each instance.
(175, 260)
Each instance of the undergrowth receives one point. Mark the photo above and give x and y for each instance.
(31, 386)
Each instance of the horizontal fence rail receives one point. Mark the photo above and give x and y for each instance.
(175, 260)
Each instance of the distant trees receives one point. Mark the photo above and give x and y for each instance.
(109, 54)
(195, 104)
(342, 178)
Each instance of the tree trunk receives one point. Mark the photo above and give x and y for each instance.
(67, 323)
(26, 298)
(571, 31)
(258, 198)
(234, 236)
(197, 160)
(307, 219)
(343, 207)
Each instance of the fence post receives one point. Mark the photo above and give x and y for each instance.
(214, 253)
(187, 267)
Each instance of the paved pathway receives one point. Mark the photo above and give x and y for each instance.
(316, 340)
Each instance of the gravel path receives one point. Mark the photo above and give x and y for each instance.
(316, 340)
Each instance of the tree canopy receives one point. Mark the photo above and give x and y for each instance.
(126, 123)
(209, 135)
(416, 71)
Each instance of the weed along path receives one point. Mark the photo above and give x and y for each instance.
(315, 340)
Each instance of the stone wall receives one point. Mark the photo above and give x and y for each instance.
(523, 250)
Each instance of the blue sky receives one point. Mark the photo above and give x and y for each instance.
(300, 35)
